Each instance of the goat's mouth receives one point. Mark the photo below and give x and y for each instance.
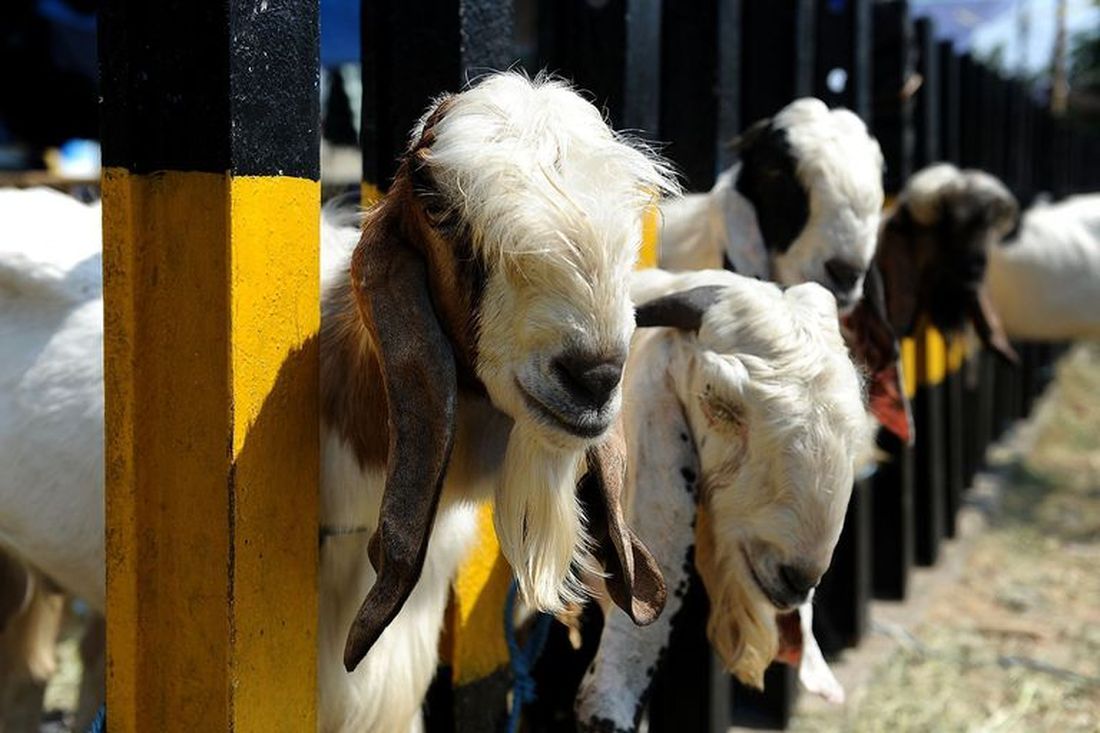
(769, 593)
(588, 425)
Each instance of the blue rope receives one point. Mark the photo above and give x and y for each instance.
(522, 659)
(99, 725)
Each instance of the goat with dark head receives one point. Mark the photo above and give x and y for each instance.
(934, 247)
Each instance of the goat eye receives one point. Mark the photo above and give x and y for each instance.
(722, 414)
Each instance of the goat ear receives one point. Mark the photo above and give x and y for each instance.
(898, 268)
(988, 325)
(417, 363)
(634, 579)
(874, 347)
(683, 310)
(748, 138)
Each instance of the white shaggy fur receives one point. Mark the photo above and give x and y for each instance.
(838, 164)
(1045, 283)
(552, 198)
(764, 406)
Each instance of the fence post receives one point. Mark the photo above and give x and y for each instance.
(926, 113)
(842, 70)
(210, 211)
(781, 31)
(891, 123)
(612, 49)
(700, 86)
(843, 48)
(409, 56)
(950, 79)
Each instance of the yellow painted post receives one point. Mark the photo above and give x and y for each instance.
(211, 208)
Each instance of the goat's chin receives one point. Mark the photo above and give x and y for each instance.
(742, 630)
(539, 522)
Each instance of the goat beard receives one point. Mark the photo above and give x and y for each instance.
(745, 639)
(744, 634)
(539, 521)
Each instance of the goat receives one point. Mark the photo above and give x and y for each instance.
(740, 418)
(472, 346)
(802, 205)
(934, 247)
(1044, 283)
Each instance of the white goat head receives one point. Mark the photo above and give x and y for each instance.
(934, 247)
(496, 266)
(814, 179)
(774, 405)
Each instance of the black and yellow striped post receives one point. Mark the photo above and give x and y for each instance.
(412, 53)
(931, 476)
(210, 212)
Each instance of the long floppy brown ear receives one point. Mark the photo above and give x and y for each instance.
(418, 371)
(634, 579)
(874, 347)
(896, 263)
(683, 310)
(988, 325)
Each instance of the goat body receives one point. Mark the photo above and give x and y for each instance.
(1045, 283)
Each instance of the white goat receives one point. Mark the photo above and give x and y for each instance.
(740, 421)
(1045, 282)
(476, 350)
(801, 205)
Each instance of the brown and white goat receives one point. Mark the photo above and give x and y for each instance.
(934, 247)
(475, 350)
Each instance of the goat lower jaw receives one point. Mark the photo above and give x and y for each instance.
(556, 422)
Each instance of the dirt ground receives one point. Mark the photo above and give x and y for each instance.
(1004, 635)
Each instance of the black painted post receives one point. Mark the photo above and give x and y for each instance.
(691, 692)
(929, 498)
(892, 526)
(926, 112)
(892, 108)
(843, 54)
(950, 102)
(954, 434)
(611, 49)
(970, 132)
(841, 601)
(411, 55)
(699, 98)
(842, 69)
(891, 122)
(929, 493)
(777, 55)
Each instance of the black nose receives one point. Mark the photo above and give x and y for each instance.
(796, 582)
(843, 274)
(589, 381)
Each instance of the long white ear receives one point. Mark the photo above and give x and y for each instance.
(662, 482)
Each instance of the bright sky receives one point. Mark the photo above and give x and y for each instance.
(982, 25)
